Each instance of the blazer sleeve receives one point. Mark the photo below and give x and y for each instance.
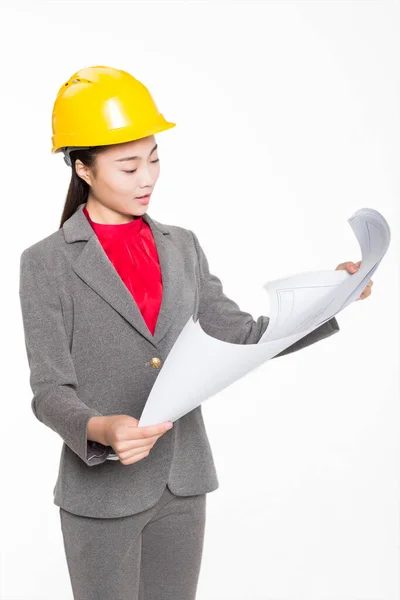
(53, 378)
(221, 317)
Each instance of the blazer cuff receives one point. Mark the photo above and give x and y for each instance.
(94, 453)
(323, 331)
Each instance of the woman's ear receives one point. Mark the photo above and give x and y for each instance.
(83, 171)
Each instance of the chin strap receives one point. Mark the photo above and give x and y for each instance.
(66, 151)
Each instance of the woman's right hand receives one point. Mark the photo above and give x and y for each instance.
(130, 442)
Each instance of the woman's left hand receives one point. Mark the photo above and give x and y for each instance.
(353, 268)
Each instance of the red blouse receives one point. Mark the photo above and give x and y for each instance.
(132, 250)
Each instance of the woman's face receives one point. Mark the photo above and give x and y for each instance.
(121, 174)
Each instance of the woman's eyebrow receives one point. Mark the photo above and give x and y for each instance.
(133, 157)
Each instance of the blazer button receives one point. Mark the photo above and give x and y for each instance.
(155, 362)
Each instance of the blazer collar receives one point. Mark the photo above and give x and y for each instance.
(94, 267)
(78, 228)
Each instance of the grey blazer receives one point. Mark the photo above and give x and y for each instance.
(90, 353)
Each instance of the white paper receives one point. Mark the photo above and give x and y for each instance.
(199, 366)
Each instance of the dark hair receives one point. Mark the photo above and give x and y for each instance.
(78, 189)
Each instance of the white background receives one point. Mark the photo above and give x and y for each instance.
(288, 121)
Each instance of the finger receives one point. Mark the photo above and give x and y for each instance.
(150, 430)
(351, 267)
(125, 447)
(364, 295)
(367, 291)
(133, 458)
(132, 443)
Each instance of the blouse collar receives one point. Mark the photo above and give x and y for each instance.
(115, 230)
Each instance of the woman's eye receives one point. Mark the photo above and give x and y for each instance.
(153, 161)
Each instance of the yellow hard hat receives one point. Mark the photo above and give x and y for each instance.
(99, 106)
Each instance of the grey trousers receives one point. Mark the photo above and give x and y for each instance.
(152, 555)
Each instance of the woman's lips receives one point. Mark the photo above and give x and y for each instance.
(144, 199)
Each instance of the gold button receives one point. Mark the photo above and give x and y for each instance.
(155, 362)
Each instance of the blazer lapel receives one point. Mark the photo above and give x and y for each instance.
(94, 267)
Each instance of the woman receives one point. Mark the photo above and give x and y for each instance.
(103, 300)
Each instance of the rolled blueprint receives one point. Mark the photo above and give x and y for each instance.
(199, 366)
